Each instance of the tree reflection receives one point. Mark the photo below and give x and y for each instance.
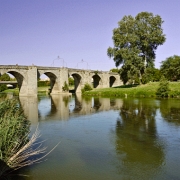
(137, 142)
(170, 110)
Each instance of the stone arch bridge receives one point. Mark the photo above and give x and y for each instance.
(27, 77)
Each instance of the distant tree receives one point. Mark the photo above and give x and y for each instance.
(135, 42)
(114, 70)
(170, 68)
(151, 74)
(5, 77)
(71, 81)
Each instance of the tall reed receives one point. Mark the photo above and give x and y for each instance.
(16, 147)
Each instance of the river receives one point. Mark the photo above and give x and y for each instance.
(104, 138)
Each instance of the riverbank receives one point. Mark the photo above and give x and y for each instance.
(145, 90)
(41, 90)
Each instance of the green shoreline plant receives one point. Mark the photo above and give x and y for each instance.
(16, 147)
(163, 89)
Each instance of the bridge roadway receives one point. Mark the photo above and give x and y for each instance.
(27, 77)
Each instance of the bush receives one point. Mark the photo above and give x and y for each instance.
(65, 87)
(87, 87)
(163, 89)
(71, 81)
(3, 87)
(43, 83)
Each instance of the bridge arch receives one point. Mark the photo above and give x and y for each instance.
(19, 77)
(52, 77)
(77, 82)
(96, 81)
(112, 80)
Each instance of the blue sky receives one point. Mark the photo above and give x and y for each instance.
(38, 31)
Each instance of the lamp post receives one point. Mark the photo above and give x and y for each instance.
(58, 58)
(82, 61)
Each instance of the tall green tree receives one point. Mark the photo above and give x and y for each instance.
(135, 42)
(170, 68)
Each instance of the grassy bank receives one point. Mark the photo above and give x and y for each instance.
(147, 90)
(41, 90)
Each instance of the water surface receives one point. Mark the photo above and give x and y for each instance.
(103, 138)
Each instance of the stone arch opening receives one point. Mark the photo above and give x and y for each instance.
(71, 83)
(50, 80)
(112, 80)
(96, 80)
(7, 81)
(43, 82)
(77, 82)
(19, 77)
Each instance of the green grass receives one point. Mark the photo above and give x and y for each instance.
(41, 90)
(147, 90)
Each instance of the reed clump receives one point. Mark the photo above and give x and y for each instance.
(16, 147)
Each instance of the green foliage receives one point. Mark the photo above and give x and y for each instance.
(163, 89)
(87, 87)
(5, 77)
(135, 42)
(170, 68)
(71, 81)
(65, 87)
(14, 128)
(96, 72)
(151, 75)
(116, 70)
(3, 87)
(147, 90)
(66, 100)
(43, 83)
(129, 74)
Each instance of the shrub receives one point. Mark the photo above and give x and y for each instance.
(71, 81)
(43, 83)
(87, 87)
(163, 89)
(3, 87)
(65, 87)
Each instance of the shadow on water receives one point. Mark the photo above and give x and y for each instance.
(8, 174)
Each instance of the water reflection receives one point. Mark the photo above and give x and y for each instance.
(170, 110)
(117, 139)
(30, 107)
(62, 107)
(8, 174)
(137, 143)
